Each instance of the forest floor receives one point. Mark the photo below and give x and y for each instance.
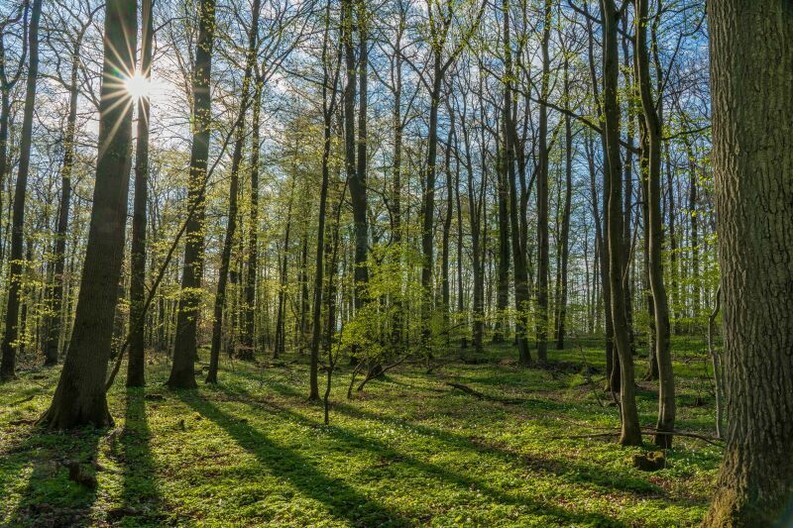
(410, 450)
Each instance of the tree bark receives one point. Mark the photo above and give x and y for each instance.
(8, 361)
(630, 433)
(234, 184)
(185, 345)
(522, 295)
(651, 162)
(751, 65)
(543, 238)
(80, 397)
(137, 289)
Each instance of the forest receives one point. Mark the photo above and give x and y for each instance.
(386, 263)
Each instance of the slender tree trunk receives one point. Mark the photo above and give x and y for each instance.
(751, 65)
(504, 247)
(80, 397)
(328, 109)
(543, 238)
(280, 318)
(652, 165)
(231, 226)
(185, 344)
(8, 361)
(564, 242)
(522, 296)
(54, 323)
(137, 289)
(249, 320)
(630, 432)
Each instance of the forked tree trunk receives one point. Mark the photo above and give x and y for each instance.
(752, 61)
(80, 397)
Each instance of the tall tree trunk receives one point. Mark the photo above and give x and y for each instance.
(564, 242)
(522, 296)
(249, 314)
(652, 165)
(396, 192)
(356, 170)
(137, 288)
(504, 248)
(630, 433)
(185, 345)
(231, 226)
(54, 323)
(447, 228)
(8, 361)
(328, 109)
(751, 65)
(80, 397)
(280, 318)
(543, 238)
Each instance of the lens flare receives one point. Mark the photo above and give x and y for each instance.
(138, 86)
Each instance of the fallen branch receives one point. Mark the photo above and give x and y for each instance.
(645, 431)
(481, 396)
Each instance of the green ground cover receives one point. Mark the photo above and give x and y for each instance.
(409, 450)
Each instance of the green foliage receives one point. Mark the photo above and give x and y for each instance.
(410, 451)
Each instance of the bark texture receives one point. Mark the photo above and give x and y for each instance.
(752, 83)
(80, 397)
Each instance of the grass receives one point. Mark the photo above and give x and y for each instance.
(408, 451)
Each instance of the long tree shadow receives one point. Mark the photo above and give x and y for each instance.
(141, 501)
(387, 453)
(567, 470)
(342, 501)
(51, 496)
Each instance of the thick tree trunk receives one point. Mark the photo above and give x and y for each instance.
(137, 288)
(185, 345)
(752, 61)
(8, 361)
(80, 397)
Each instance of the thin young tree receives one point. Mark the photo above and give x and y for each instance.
(80, 397)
